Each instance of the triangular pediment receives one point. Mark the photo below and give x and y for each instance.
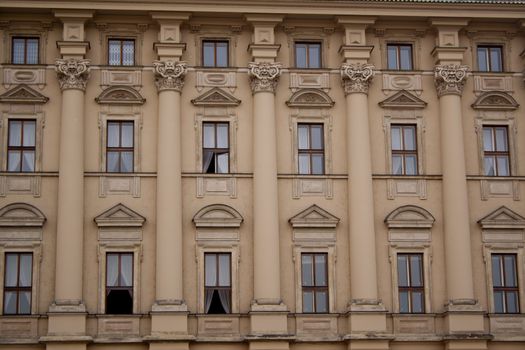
(21, 215)
(503, 218)
(216, 97)
(120, 216)
(495, 100)
(403, 99)
(23, 94)
(120, 95)
(409, 216)
(217, 215)
(310, 98)
(314, 216)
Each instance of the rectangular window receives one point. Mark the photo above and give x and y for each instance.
(21, 145)
(217, 283)
(215, 148)
(307, 55)
(496, 156)
(18, 280)
(314, 280)
(399, 56)
(490, 58)
(119, 283)
(310, 138)
(121, 52)
(505, 283)
(410, 283)
(404, 149)
(24, 50)
(120, 147)
(215, 53)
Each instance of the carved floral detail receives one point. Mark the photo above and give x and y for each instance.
(356, 77)
(169, 75)
(72, 73)
(450, 79)
(264, 76)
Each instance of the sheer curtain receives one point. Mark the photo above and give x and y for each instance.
(208, 296)
(208, 157)
(224, 296)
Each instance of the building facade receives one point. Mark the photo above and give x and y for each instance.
(256, 175)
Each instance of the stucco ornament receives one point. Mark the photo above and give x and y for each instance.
(356, 77)
(169, 75)
(264, 76)
(450, 79)
(72, 73)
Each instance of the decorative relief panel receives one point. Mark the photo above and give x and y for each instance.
(20, 184)
(221, 79)
(317, 187)
(402, 81)
(218, 326)
(19, 329)
(119, 185)
(507, 327)
(27, 76)
(500, 189)
(316, 327)
(127, 77)
(116, 326)
(216, 186)
(414, 324)
(303, 80)
(486, 83)
(406, 188)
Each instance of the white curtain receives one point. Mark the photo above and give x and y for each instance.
(224, 296)
(208, 296)
(208, 157)
(112, 270)
(25, 270)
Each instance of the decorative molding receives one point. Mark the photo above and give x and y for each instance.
(21, 215)
(15, 75)
(356, 77)
(404, 100)
(169, 75)
(502, 218)
(213, 78)
(264, 76)
(218, 215)
(399, 80)
(310, 98)
(120, 95)
(72, 73)
(120, 216)
(23, 94)
(495, 100)
(314, 216)
(309, 80)
(216, 97)
(410, 216)
(450, 79)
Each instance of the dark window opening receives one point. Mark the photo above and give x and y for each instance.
(119, 283)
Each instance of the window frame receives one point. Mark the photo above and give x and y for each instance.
(217, 276)
(307, 43)
(21, 149)
(410, 289)
(17, 289)
(505, 289)
(25, 38)
(215, 41)
(311, 151)
(127, 288)
(315, 288)
(495, 154)
(403, 153)
(216, 150)
(121, 40)
(398, 46)
(120, 149)
(488, 58)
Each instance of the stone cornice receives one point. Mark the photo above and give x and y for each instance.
(264, 76)
(356, 77)
(72, 73)
(450, 79)
(169, 75)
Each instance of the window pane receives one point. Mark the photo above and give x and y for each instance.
(487, 139)
(411, 165)
(209, 135)
(29, 133)
(126, 270)
(498, 302)
(403, 301)
(208, 54)
(18, 51)
(397, 165)
(113, 162)
(128, 53)
(13, 161)
(127, 135)
(392, 57)
(304, 164)
(308, 301)
(112, 270)
(113, 135)
(11, 270)
(300, 56)
(26, 266)
(321, 301)
(32, 51)
(10, 303)
(126, 162)
(314, 56)
(510, 271)
(395, 132)
(406, 57)
(222, 135)
(317, 164)
(503, 166)
(495, 60)
(402, 273)
(415, 271)
(417, 302)
(307, 270)
(409, 138)
(302, 134)
(482, 59)
(24, 303)
(317, 137)
(512, 302)
(320, 270)
(15, 133)
(496, 271)
(28, 161)
(114, 52)
(222, 54)
(222, 163)
(224, 270)
(501, 139)
(210, 261)
(490, 167)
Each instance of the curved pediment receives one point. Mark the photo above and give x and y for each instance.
(21, 214)
(502, 218)
(120, 95)
(217, 215)
(495, 100)
(310, 98)
(23, 94)
(216, 97)
(403, 99)
(120, 216)
(409, 216)
(314, 216)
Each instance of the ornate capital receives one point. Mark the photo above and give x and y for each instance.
(356, 77)
(169, 75)
(72, 73)
(264, 76)
(450, 79)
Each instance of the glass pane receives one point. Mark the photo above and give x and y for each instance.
(487, 139)
(126, 270)
(13, 161)
(224, 270)
(410, 138)
(402, 273)
(10, 303)
(395, 132)
(300, 56)
(317, 164)
(222, 135)
(410, 165)
(307, 270)
(304, 164)
(113, 162)
(29, 133)
(15, 133)
(128, 53)
(114, 52)
(320, 270)
(490, 167)
(496, 271)
(501, 139)
(11, 270)
(113, 135)
(314, 55)
(26, 266)
(126, 162)
(28, 161)
(405, 53)
(397, 165)
(512, 302)
(210, 262)
(18, 51)
(317, 137)
(510, 271)
(403, 302)
(308, 302)
(208, 54)
(24, 303)
(498, 302)
(127, 135)
(222, 163)
(302, 134)
(209, 135)
(482, 59)
(222, 54)
(112, 270)
(392, 57)
(495, 60)
(503, 166)
(321, 302)
(415, 271)
(417, 302)
(32, 51)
